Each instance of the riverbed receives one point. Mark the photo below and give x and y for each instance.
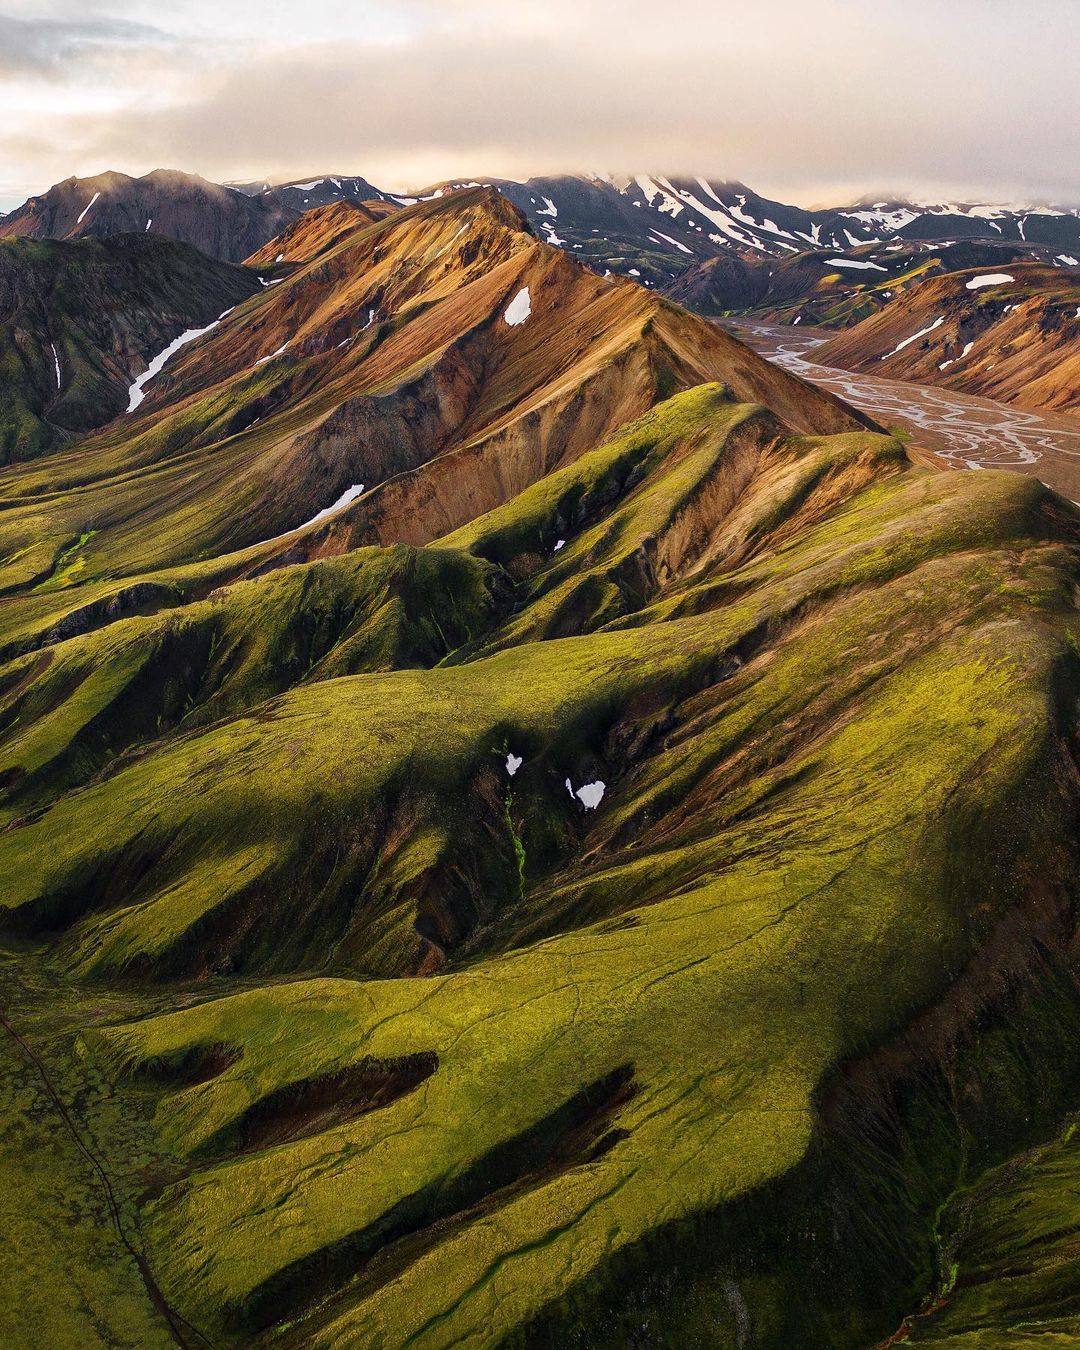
(964, 431)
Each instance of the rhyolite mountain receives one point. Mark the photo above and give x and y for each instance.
(839, 288)
(301, 196)
(317, 229)
(664, 226)
(525, 824)
(1009, 332)
(652, 227)
(220, 221)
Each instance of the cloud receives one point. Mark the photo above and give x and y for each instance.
(803, 101)
(54, 47)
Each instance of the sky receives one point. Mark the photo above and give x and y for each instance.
(814, 103)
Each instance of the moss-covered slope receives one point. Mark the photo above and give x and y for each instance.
(584, 924)
(79, 321)
(521, 823)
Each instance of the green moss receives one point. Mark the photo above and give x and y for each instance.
(720, 1027)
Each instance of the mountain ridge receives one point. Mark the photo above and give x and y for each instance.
(654, 224)
(525, 823)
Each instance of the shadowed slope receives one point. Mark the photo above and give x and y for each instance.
(77, 320)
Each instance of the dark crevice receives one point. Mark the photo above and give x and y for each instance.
(302, 1109)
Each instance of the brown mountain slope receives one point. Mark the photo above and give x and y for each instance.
(318, 230)
(1011, 333)
(838, 288)
(217, 220)
(392, 362)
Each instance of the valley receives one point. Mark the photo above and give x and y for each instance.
(963, 430)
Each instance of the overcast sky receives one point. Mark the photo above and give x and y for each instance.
(810, 102)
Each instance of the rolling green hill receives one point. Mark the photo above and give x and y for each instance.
(609, 880)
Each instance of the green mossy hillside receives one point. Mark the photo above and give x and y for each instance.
(433, 1051)
(536, 834)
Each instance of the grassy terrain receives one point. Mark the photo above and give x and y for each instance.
(383, 1029)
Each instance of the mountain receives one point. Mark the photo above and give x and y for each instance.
(300, 196)
(219, 221)
(650, 227)
(77, 318)
(229, 222)
(1012, 335)
(388, 361)
(659, 227)
(524, 823)
(837, 288)
(317, 230)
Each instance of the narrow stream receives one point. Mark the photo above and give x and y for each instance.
(963, 430)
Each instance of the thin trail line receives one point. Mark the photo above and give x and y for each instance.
(180, 1329)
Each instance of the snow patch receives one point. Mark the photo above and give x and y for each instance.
(136, 392)
(914, 338)
(989, 279)
(87, 207)
(519, 308)
(513, 763)
(855, 263)
(590, 794)
(349, 495)
(56, 362)
(674, 242)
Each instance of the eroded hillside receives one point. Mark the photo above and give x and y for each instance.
(525, 824)
(1006, 332)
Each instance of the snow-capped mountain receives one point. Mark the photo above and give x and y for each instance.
(652, 227)
(656, 228)
(303, 194)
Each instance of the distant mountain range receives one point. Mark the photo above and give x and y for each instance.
(653, 228)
